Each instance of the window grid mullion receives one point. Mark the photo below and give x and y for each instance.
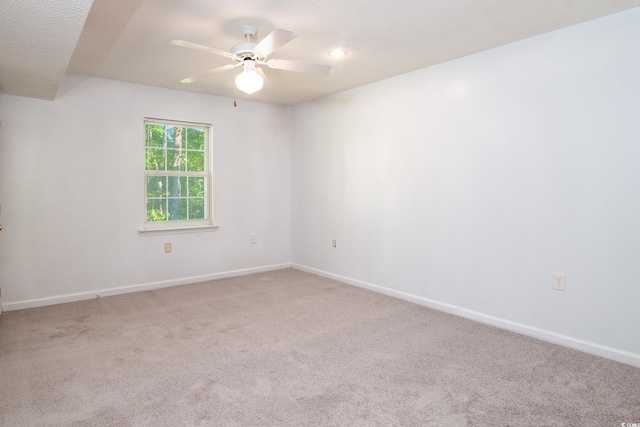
(176, 173)
(196, 135)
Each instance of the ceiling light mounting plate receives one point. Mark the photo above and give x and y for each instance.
(248, 31)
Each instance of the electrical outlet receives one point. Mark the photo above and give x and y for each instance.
(254, 238)
(558, 282)
(333, 244)
(167, 248)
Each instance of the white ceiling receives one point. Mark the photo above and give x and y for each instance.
(128, 40)
(37, 39)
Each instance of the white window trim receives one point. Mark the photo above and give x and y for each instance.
(190, 226)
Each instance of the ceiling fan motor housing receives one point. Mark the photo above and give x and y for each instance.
(244, 50)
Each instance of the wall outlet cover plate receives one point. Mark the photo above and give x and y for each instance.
(559, 282)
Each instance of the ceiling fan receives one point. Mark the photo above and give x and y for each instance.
(249, 54)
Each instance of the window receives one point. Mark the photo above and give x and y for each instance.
(177, 181)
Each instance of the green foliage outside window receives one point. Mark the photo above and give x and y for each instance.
(175, 164)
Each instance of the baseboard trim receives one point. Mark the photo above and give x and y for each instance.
(542, 334)
(618, 355)
(60, 299)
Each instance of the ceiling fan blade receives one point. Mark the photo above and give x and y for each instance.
(301, 67)
(201, 47)
(274, 40)
(209, 72)
(264, 76)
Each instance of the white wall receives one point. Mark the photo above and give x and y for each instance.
(470, 183)
(71, 186)
(465, 185)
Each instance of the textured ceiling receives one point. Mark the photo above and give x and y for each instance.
(37, 39)
(128, 40)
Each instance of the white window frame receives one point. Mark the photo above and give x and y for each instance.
(181, 225)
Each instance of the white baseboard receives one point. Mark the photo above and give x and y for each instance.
(544, 335)
(549, 336)
(59, 299)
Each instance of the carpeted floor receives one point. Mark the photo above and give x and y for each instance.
(287, 348)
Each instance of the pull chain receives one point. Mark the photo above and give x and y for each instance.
(235, 93)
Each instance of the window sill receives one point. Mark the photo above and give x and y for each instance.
(177, 230)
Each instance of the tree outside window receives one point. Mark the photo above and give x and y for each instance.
(177, 174)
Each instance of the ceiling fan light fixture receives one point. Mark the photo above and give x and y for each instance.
(249, 81)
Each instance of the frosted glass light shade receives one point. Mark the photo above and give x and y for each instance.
(249, 81)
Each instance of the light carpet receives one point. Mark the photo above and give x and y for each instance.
(288, 348)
